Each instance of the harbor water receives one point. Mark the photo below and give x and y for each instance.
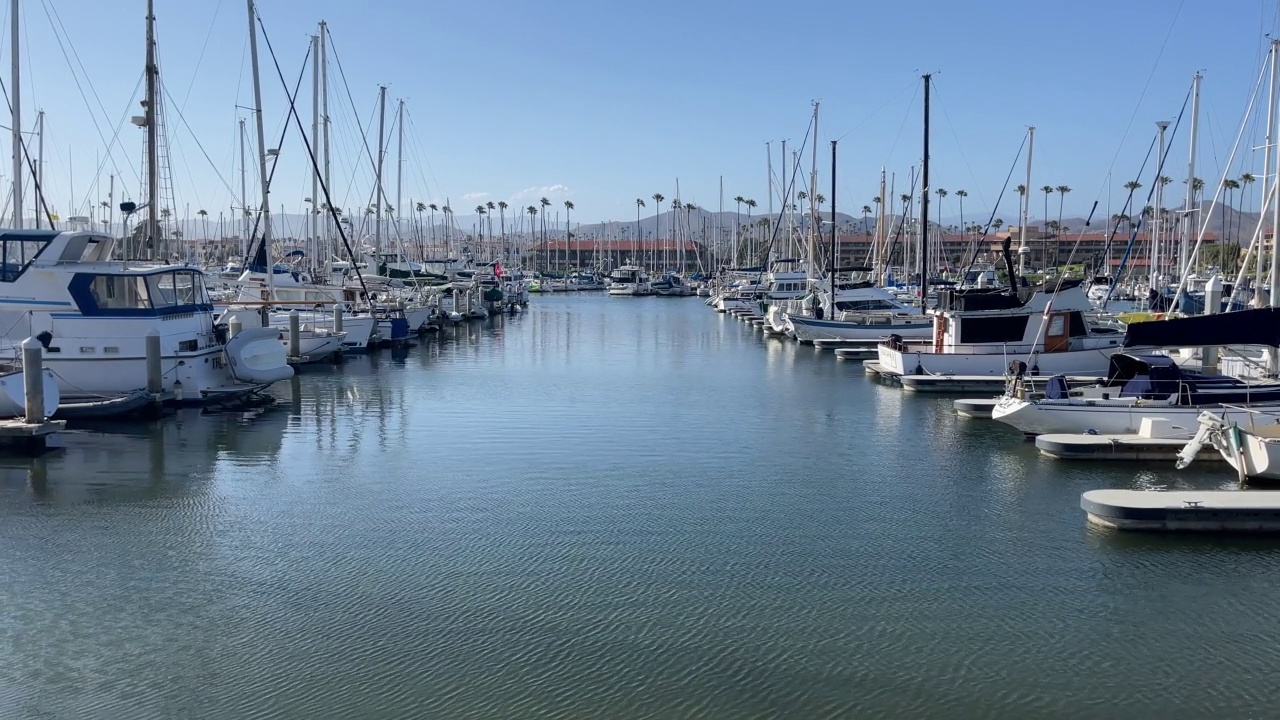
(609, 507)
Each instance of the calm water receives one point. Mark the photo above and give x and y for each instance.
(608, 507)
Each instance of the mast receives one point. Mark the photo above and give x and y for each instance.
(1153, 274)
(1184, 245)
(786, 198)
(1274, 280)
(153, 173)
(924, 204)
(768, 155)
(1268, 150)
(15, 80)
(377, 180)
(1023, 251)
(39, 173)
(880, 261)
(312, 225)
(834, 235)
(399, 178)
(244, 198)
(262, 152)
(814, 227)
(324, 114)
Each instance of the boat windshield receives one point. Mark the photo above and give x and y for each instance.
(18, 249)
(181, 290)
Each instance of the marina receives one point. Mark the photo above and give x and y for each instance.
(340, 380)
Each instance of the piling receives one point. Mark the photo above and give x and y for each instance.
(295, 334)
(155, 381)
(1212, 304)
(33, 380)
(337, 318)
(234, 326)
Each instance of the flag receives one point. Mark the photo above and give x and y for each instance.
(497, 269)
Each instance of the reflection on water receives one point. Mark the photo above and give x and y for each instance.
(607, 507)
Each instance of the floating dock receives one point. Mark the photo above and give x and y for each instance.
(975, 407)
(993, 384)
(837, 343)
(1157, 439)
(1184, 511)
(854, 353)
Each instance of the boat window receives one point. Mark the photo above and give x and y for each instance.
(17, 250)
(175, 289)
(999, 329)
(864, 305)
(1057, 325)
(120, 292)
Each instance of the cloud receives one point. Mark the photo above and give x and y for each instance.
(475, 195)
(550, 192)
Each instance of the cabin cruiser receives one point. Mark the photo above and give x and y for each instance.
(93, 316)
(629, 280)
(1139, 386)
(671, 285)
(586, 281)
(980, 333)
(860, 312)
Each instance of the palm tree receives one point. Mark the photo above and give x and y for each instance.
(433, 208)
(636, 239)
(866, 211)
(533, 213)
(801, 196)
(502, 226)
(657, 222)
(1231, 186)
(997, 224)
(204, 215)
(751, 205)
(568, 205)
(1245, 181)
(489, 208)
(1062, 194)
(738, 216)
(545, 203)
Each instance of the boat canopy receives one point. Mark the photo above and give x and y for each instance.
(1260, 326)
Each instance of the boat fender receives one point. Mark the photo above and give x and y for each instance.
(1090, 431)
(919, 369)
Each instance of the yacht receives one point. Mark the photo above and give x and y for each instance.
(980, 333)
(93, 314)
(671, 285)
(1139, 386)
(860, 312)
(629, 280)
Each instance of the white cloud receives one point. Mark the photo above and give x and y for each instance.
(551, 192)
(475, 195)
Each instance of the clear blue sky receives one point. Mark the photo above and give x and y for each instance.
(602, 103)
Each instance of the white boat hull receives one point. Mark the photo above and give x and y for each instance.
(807, 329)
(1078, 363)
(13, 394)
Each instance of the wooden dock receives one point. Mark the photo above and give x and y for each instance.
(30, 438)
(1183, 510)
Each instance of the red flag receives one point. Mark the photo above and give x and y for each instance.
(497, 269)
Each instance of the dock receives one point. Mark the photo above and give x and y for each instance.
(837, 343)
(30, 438)
(1183, 510)
(975, 407)
(993, 384)
(1157, 439)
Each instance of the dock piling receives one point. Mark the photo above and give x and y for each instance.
(234, 326)
(33, 380)
(295, 334)
(337, 318)
(155, 383)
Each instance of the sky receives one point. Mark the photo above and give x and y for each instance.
(603, 103)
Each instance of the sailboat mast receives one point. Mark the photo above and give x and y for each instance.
(377, 180)
(813, 200)
(324, 115)
(313, 226)
(399, 176)
(244, 197)
(1184, 245)
(834, 234)
(768, 155)
(1274, 280)
(880, 261)
(38, 185)
(1153, 274)
(1023, 250)
(1268, 153)
(924, 204)
(262, 151)
(15, 80)
(153, 135)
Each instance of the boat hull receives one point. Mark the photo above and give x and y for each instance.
(807, 329)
